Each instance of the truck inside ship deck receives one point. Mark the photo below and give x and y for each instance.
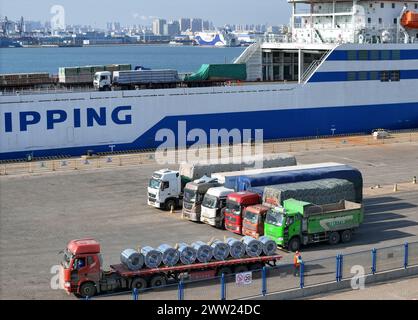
(281, 63)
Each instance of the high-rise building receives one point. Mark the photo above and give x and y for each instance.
(185, 24)
(206, 25)
(273, 29)
(172, 28)
(158, 26)
(197, 25)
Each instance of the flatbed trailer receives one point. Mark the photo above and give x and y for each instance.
(90, 279)
(175, 271)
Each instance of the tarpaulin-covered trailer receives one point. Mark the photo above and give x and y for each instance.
(303, 173)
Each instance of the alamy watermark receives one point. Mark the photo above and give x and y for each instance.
(358, 280)
(58, 18)
(219, 145)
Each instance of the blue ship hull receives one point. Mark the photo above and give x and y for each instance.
(279, 124)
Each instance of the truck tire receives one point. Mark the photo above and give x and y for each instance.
(158, 281)
(294, 244)
(256, 266)
(220, 224)
(346, 236)
(334, 238)
(225, 270)
(139, 283)
(240, 269)
(88, 289)
(170, 203)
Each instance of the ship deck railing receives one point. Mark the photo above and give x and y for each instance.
(34, 91)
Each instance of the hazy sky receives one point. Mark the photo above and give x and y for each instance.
(98, 12)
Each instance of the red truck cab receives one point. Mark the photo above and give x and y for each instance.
(253, 220)
(81, 267)
(236, 203)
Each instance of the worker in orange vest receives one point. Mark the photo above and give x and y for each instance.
(297, 260)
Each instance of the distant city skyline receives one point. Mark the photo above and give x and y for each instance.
(129, 12)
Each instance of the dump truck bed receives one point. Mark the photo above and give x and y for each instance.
(334, 217)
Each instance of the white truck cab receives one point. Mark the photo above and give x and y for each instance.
(103, 80)
(213, 204)
(164, 189)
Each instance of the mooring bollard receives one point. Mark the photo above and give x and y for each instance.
(414, 180)
(395, 187)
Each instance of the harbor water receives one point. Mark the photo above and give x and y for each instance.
(49, 59)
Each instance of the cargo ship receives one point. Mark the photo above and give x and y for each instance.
(344, 67)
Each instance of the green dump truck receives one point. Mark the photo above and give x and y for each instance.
(299, 223)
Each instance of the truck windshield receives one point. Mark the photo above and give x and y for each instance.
(154, 183)
(210, 201)
(274, 217)
(251, 217)
(190, 195)
(66, 259)
(233, 207)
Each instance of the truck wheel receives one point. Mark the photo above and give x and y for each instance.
(256, 266)
(158, 281)
(294, 244)
(240, 269)
(139, 283)
(221, 223)
(225, 270)
(88, 289)
(334, 238)
(169, 204)
(346, 236)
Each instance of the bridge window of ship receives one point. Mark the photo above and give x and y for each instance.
(374, 54)
(362, 75)
(385, 55)
(393, 6)
(396, 54)
(384, 76)
(374, 75)
(395, 76)
(382, 5)
(352, 55)
(351, 76)
(363, 55)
